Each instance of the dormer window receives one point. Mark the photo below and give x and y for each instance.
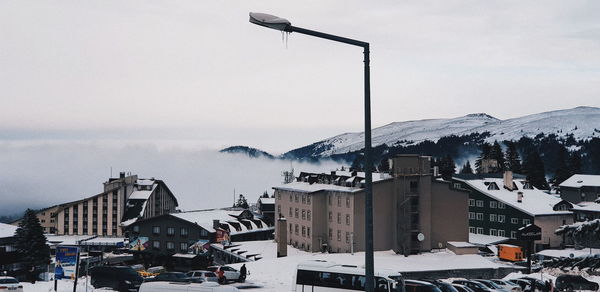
(527, 186)
(493, 187)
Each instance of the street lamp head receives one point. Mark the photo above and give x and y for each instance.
(270, 21)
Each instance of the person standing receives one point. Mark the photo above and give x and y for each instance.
(243, 272)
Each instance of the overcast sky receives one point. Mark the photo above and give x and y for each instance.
(199, 71)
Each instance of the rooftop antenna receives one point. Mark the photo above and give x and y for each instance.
(110, 172)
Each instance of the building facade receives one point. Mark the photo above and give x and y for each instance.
(47, 218)
(326, 211)
(580, 188)
(124, 200)
(501, 204)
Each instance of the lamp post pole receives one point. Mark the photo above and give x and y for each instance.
(282, 24)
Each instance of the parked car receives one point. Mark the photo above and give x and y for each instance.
(444, 286)
(420, 286)
(120, 278)
(507, 285)
(475, 286)
(10, 284)
(204, 276)
(187, 287)
(574, 282)
(229, 273)
(533, 282)
(491, 285)
(169, 277)
(462, 288)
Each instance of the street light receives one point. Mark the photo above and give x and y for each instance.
(283, 24)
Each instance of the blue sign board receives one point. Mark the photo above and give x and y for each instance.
(66, 262)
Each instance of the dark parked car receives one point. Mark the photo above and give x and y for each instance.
(574, 282)
(420, 286)
(120, 278)
(169, 277)
(444, 286)
(462, 288)
(475, 286)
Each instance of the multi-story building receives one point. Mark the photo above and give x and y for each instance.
(266, 207)
(9, 259)
(500, 204)
(580, 188)
(123, 201)
(326, 211)
(46, 217)
(177, 232)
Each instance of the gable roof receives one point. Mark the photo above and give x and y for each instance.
(232, 217)
(581, 180)
(534, 202)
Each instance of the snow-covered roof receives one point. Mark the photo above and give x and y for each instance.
(145, 182)
(144, 195)
(104, 241)
(7, 230)
(461, 244)
(587, 206)
(267, 200)
(305, 187)
(534, 201)
(567, 252)
(482, 239)
(204, 218)
(67, 239)
(581, 180)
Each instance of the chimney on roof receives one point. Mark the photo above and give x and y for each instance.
(216, 224)
(121, 174)
(520, 197)
(436, 171)
(508, 180)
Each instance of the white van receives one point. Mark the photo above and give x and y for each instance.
(185, 287)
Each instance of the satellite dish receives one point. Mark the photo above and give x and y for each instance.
(421, 237)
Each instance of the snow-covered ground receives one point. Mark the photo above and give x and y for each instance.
(62, 286)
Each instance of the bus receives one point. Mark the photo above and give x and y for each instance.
(320, 275)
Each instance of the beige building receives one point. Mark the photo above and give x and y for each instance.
(123, 201)
(326, 211)
(46, 217)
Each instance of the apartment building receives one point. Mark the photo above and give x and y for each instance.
(500, 204)
(124, 201)
(326, 211)
(46, 217)
(580, 188)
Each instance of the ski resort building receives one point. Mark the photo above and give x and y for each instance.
(46, 217)
(500, 204)
(413, 211)
(124, 201)
(580, 188)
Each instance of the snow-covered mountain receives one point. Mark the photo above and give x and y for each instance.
(582, 122)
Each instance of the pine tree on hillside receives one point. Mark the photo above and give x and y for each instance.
(574, 163)
(497, 154)
(513, 161)
(466, 169)
(486, 149)
(384, 165)
(535, 170)
(265, 194)
(562, 172)
(447, 167)
(30, 244)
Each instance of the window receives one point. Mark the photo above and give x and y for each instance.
(278, 196)
(479, 203)
(183, 246)
(290, 197)
(479, 230)
(493, 232)
(303, 231)
(156, 230)
(471, 215)
(136, 229)
(303, 214)
(308, 199)
(501, 233)
(296, 198)
(296, 212)
(339, 235)
(330, 216)
(493, 204)
(303, 199)
(347, 219)
(479, 216)
(514, 220)
(471, 203)
(501, 205)
(457, 185)
(329, 199)
(171, 231)
(339, 200)
(526, 221)
(347, 237)
(296, 229)
(339, 218)
(471, 229)
(330, 234)
(183, 231)
(513, 234)
(414, 185)
(156, 244)
(493, 187)
(203, 233)
(493, 217)
(347, 201)
(278, 209)
(308, 232)
(170, 245)
(308, 215)
(291, 228)
(501, 218)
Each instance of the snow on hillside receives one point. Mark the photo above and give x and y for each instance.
(582, 122)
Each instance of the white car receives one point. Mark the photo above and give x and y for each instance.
(204, 276)
(185, 287)
(10, 284)
(229, 273)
